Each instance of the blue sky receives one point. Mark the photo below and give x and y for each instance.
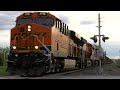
(83, 22)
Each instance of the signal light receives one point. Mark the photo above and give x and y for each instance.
(105, 38)
(42, 13)
(27, 14)
(94, 38)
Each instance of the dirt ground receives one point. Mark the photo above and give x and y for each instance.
(107, 69)
(111, 69)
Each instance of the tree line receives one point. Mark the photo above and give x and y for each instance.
(4, 55)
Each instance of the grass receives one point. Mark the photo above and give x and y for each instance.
(3, 71)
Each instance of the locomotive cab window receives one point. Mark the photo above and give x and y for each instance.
(23, 20)
(46, 21)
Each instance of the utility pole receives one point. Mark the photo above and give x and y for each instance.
(99, 40)
(94, 38)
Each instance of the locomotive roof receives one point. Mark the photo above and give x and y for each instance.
(34, 14)
(84, 40)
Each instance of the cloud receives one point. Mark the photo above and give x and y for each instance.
(65, 19)
(4, 35)
(7, 19)
(112, 48)
(86, 22)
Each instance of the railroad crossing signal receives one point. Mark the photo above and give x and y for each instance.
(105, 38)
(94, 38)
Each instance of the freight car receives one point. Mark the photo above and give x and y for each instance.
(41, 43)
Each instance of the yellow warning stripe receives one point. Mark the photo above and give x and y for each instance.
(27, 51)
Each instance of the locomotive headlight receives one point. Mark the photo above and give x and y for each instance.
(36, 47)
(14, 47)
(16, 55)
(29, 28)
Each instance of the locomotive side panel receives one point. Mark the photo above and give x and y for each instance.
(89, 50)
(59, 40)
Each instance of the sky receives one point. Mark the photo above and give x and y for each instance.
(82, 22)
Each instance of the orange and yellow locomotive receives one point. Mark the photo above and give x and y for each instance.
(42, 43)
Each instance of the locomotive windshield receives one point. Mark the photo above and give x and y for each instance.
(23, 20)
(46, 21)
(49, 22)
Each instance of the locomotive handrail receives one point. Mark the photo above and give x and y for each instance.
(49, 55)
(14, 40)
(42, 44)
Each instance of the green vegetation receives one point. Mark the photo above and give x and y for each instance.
(3, 55)
(3, 71)
(3, 64)
(1, 61)
(118, 63)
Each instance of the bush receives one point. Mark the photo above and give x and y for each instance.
(118, 63)
(1, 59)
(1, 62)
(3, 55)
(3, 71)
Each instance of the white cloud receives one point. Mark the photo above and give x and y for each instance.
(4, 38)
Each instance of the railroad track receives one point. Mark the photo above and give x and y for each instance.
(73, 71)
(69, 71)
(49, 75)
